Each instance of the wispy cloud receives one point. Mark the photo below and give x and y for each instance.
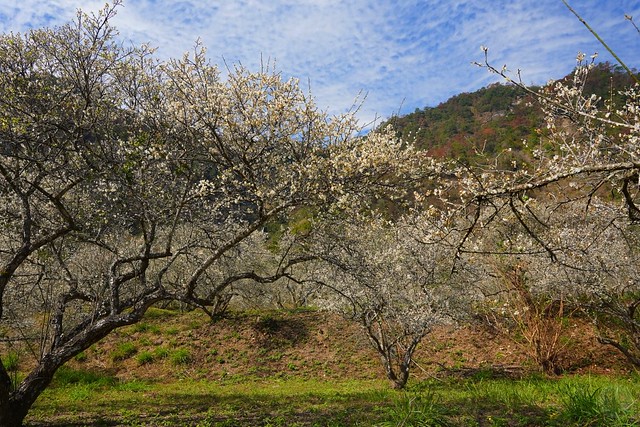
(404, 54)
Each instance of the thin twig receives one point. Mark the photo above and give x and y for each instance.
(602, 42)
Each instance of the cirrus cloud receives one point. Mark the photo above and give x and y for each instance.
(403, 54)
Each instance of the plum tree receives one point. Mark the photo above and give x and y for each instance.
(127, 181)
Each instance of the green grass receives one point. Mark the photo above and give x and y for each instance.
(66, 376)
(123, 351)
(214, 403)
(416, 409)
(564, 402)
(11, 361)
(143, 327)
(172, 331)
(145, 357)
(180, 356)
(160, 313)
(160, 353)
(595, 404)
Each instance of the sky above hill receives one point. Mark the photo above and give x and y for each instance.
(403, 54)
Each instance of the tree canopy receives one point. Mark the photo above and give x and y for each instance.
(128, 180)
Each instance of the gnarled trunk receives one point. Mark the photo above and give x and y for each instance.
(15, 405)
(11, 415)
(16, 400)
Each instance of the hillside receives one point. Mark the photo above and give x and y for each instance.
(493, 118)
(310, 368)
(309, 344)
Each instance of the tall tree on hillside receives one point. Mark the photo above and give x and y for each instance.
(127, 181)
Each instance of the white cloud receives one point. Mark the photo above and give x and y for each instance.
(405, 54)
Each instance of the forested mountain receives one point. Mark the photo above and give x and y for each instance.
(493, 118)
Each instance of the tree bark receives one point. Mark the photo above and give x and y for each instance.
(12, 413)
(398, 380)
(15, 404)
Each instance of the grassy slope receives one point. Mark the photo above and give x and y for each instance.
(312, 368)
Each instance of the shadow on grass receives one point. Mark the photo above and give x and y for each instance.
(209, 409)
(341, 409)
(296, 403)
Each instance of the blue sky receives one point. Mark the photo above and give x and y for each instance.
(403, 54)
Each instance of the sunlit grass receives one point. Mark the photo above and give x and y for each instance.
(350, 401)
(91, 399)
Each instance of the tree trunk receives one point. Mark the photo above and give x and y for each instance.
(15, 404)
(398, 381)
(388, 369)
(403, 377)
(12, 413)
